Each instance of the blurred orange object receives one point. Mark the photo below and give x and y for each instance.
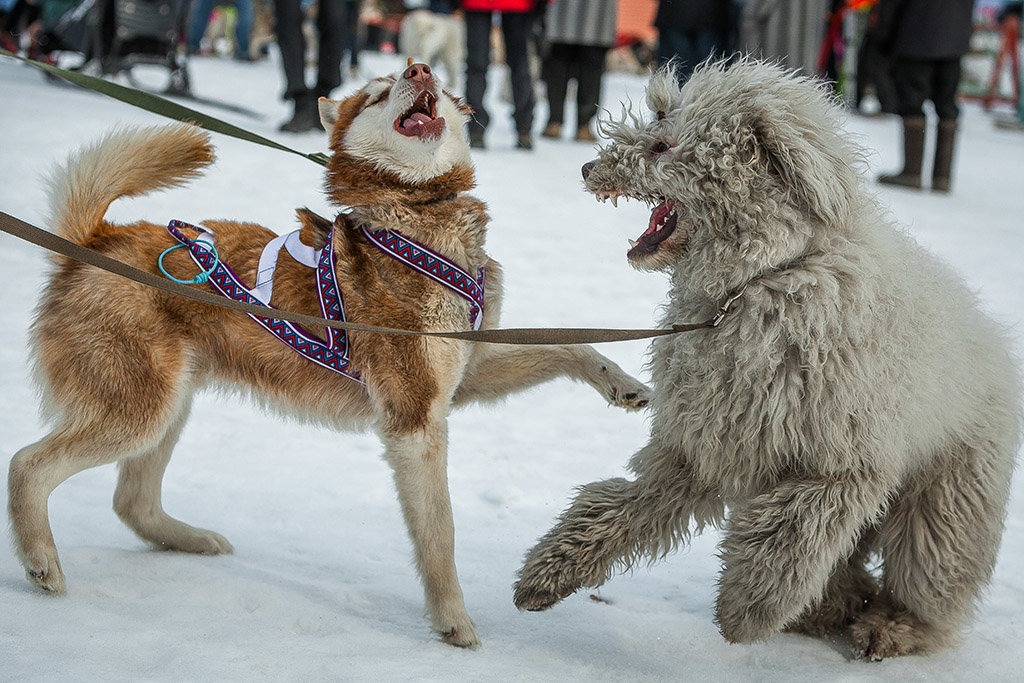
(635, 21)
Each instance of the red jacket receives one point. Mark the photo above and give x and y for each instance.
(498, 5)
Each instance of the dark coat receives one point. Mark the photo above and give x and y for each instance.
(925, 29)
(694, 15)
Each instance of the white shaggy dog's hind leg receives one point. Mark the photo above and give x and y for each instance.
(939, 546)
(137, 500)
(781, 549)
(419, 461)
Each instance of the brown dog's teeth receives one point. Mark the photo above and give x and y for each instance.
(632, 243)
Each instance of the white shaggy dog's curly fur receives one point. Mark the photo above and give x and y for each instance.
(855, 402)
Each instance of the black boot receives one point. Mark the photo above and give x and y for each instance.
(942, 171)
(306, 116)
(913, 155)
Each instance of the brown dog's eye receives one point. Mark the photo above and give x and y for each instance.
(660, 147)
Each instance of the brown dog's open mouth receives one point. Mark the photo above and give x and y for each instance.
(662, 225)
(421, 119)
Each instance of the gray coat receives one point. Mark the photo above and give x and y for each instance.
(581, 22)
(925, 29)
(787, 31)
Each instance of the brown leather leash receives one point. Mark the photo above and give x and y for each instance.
(523, 335)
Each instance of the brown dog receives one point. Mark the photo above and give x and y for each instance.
(120, 363)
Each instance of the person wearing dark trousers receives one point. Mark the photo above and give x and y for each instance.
(330, 25)
(926, 38)
(690, 31)
(579, 33)
(516, 25)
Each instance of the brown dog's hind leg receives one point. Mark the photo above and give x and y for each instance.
(137, 500)
(38, 469)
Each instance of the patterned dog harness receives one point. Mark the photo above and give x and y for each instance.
(332, 355)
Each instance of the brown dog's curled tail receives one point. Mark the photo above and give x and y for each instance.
(125, 163)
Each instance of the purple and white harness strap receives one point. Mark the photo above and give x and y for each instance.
(332, 355)
(434, 266)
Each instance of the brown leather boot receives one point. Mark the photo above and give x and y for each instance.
(913, 155)
(942, 171)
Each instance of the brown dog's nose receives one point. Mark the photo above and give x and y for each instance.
(587, 168)
(418, 72)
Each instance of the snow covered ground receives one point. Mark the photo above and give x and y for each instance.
(321, 585)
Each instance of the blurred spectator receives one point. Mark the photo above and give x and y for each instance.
(1008, 23)
(927, 38)
(16, 18)
(330, 25)
(516, 18)
(690, 31)
(579, 34)
(353, 42)
(199, 17)
(789, 32)
(874, 68)
(43, 41)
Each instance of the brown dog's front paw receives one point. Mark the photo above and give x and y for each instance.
(633, 397)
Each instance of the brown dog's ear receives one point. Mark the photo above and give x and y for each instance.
(328, 113)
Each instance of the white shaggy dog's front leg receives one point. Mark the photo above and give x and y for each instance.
(613, 523)
(780, 550)
(419, 460)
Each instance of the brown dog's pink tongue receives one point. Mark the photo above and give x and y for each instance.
(415, 120)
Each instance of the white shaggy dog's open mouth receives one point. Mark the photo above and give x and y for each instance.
(662, 224)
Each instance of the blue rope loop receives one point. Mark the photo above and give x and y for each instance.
(198, 279)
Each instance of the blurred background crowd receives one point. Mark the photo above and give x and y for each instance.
(912, 59)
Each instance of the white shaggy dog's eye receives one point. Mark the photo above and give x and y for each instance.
(660, 147)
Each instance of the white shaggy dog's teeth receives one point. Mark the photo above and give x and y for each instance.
(615, 200)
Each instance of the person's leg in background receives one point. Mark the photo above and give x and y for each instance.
(330, 24)
(945, 82)
(478, 59)
(243, 29)
(197, 21)
(912, 78)
(556, 83)
(292, 45)
(515, 27)
(591, 61)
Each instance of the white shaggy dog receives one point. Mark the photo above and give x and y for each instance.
(853, 402)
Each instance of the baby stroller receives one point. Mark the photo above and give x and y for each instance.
(117, 35)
